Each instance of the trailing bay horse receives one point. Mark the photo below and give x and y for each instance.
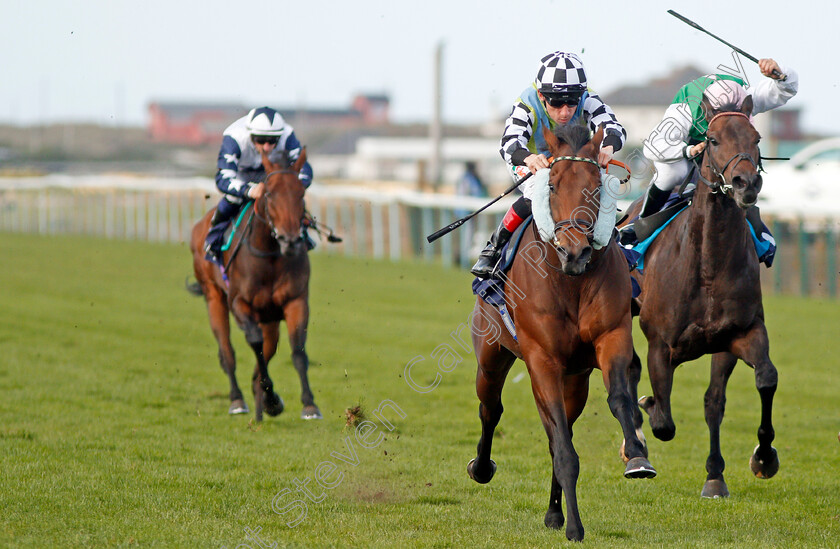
(267, 268)
(701, 293)
(570, 306)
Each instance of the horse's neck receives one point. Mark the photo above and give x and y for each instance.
(720, 226)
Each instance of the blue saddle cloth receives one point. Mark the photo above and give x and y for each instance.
(492, 290)
(765, 246)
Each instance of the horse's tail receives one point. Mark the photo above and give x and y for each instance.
(193, 287)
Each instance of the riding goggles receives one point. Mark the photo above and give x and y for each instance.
(263, 139)
(561, 99)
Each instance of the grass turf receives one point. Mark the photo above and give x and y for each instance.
(115, 431)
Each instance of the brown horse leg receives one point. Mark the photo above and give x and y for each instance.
(575, 394)
(715, 405)
(634, 375)
(614, 364)
(753, 349)
(658, 407)
(549, 396)
(265, 399)
(220, 325)
(494, 363)
(297, 319)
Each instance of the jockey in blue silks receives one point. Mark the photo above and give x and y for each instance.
(558, 96)
(240, 172)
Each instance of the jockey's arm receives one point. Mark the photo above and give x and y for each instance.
(668, 142)
(293, 147)
(771, 92)
(514, 143)
(227, 177)
(600, 115)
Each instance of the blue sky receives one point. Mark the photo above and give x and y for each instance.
(104, 61)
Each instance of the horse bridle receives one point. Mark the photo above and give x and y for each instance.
(576, 223)
(719, 184)
(267, 219)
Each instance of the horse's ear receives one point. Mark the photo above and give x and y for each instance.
(707, 109)
(597, 139)
(268, 165)
(300, 161)
(747, 106)
(551, 140)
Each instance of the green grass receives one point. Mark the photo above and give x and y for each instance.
(115, 429)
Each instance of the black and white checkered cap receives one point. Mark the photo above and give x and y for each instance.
(560, 72)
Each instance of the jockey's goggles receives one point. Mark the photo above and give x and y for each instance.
(263, 139)
(562, 99)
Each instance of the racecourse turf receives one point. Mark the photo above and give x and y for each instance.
(115, 430)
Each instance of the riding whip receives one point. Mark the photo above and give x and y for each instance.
(718, 38)
(455, 224)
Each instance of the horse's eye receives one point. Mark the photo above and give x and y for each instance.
(551, 187)
(713, 142)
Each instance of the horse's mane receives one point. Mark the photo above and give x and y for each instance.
(573, 135)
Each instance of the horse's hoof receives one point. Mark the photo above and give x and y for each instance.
(764, 468)
(554, 519)
(238, 406)
(574, 534)
(311, 412)
(273, 404)
(715, 488)
(478, 477)
(639, 467)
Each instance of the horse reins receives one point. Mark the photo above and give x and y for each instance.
(723, 186)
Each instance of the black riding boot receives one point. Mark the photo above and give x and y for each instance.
(215, 234)
(489, 256)
(655, 198)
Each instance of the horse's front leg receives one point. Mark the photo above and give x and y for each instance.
(634, 375)
(264, 396)
(658, 407)
(753, 348)
(614, 354)
(219, 314)
(548, 387)
(715, 405)
(494, 363)
(296, 313)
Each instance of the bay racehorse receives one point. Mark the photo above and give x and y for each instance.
(267, 270)
(701, 293)
(568, 306)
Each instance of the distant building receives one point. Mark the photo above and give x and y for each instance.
(188, 123)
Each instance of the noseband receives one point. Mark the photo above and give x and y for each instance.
(576, 223)
(719, 184)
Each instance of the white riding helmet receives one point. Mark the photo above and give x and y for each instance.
(562, 75)
(265, 121)
(725, 94)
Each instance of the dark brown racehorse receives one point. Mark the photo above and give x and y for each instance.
(268, 271)
(568, 306)
(701, 293)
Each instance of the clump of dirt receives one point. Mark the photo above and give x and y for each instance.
(354, 415)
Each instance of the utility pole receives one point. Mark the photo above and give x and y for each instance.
(436, 126)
